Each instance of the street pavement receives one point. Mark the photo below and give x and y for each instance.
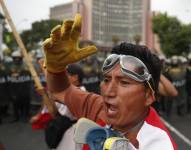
(20, 136)
(183, 125)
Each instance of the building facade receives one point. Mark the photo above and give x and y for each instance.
(107, 21)
(62, 12)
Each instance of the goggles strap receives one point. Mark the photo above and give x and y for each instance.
(150, 87)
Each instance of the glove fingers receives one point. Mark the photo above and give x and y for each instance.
(85, 52)
(66, 29)
(76, 28)
(56, 34)
(47, 43)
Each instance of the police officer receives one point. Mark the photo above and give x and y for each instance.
(91, 79)
(35, 97)
(4, 95)
(188, 83)
(177, 74)
(20, 84)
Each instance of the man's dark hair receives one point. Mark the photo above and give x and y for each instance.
(144, 54)
(75, 69)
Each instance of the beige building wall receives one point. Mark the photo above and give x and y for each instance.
(146, 21)
(68, 11)
(61, 12)
(86, 12)
(153, 41)
(103, 19)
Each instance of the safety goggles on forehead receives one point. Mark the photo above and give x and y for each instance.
(130, 66)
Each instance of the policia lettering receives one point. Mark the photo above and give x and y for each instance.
(19, 79)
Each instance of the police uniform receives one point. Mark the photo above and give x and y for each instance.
(178, 78)
(4, 92)
(20, 85)
(188, 87)
(35, 97)
(91, 79)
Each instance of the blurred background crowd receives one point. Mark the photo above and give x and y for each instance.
(105, 24)
(19, 96)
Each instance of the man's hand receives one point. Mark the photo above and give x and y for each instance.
(62, 48)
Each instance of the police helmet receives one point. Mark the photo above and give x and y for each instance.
(182, 59)
(16, 54)
(168, 61)
(174, 60)
(189, 56)
(39, 54)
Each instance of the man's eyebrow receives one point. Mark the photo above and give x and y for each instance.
(106, 76)
(119, 77)
(123, 77)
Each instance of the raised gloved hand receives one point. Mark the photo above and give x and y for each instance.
(62, 48)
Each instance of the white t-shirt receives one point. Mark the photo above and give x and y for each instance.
(67, 141)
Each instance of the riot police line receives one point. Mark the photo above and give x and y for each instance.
(17, 91)
(178, 70)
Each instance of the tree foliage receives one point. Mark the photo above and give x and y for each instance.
(174, 36)
(39, 32)
(9, 39)
(31, 38)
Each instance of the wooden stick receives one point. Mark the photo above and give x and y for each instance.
(46, 101)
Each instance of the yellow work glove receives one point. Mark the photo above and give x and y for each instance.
(62, 48)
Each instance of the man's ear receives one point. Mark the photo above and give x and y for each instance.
(150, 97)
